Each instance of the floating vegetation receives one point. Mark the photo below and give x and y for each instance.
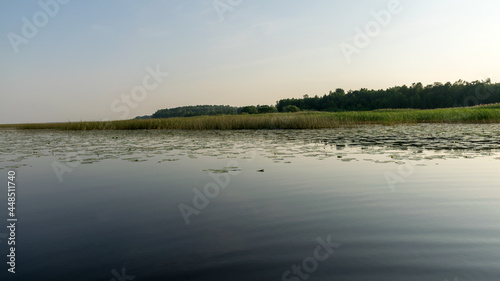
(217, 171)
(398, 143)
(169, 160)
(135, 159)
(348, 159)
(223, 170)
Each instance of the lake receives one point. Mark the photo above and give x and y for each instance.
(406, 202)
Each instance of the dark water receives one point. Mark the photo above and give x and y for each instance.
(370, 203)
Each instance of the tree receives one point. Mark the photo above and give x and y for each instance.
(249, 109)
(291, 108)
(266, 109)
(188, 111)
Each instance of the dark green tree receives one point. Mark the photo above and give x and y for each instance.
(249, 109)
(291, 108)
(266, 109)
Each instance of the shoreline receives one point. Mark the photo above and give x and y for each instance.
(299, 120)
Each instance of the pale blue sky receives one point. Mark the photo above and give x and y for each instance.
(89, 53)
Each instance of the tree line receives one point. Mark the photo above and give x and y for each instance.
(200, 110)
(416, 96)
(189, 111)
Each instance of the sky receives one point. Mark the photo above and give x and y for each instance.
(64, 60)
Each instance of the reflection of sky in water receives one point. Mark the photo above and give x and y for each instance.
(119, 204)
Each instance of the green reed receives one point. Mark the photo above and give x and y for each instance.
(299, 120)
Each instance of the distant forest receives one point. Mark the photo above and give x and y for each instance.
(189, 111)
(416, 96)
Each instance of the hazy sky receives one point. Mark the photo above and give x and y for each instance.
(96, 60)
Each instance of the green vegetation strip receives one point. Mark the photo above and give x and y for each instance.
(298, 120)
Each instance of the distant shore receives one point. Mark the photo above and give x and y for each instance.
(298, 120)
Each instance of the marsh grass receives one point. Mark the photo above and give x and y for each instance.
(299, 120)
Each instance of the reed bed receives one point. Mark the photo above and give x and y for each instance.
(299, 120)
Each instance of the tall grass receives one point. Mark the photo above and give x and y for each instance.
(300, 120)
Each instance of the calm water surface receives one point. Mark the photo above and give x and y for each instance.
(369, 203)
